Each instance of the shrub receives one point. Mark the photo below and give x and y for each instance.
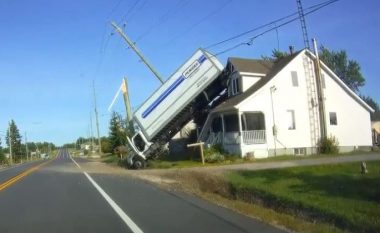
(329, 145)
(214, 154)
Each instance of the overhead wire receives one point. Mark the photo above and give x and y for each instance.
(130, 10)
(250, 41)
(203, 19)
(163, 18)
(267, 24)
(129, 19)
(105, 38)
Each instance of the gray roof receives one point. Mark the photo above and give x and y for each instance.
(251, 65)
(258, 66)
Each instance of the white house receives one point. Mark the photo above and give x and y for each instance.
(375, 120)
(273, 109)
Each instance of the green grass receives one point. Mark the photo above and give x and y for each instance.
(163, 164)
(315, 156)
(335, 194)
(110, 159)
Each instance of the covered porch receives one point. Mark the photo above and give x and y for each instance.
(234, 130)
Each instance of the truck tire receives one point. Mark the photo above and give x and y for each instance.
(138, 163)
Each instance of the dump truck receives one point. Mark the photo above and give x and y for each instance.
(185, 93)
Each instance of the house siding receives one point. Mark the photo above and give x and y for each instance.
(352, 131)
(248, 81)
(353, 127)
(286, 97)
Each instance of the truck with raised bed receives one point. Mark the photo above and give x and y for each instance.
(188, 91)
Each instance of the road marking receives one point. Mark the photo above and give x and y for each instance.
(75, 162)
(21, 175)
(127, 220)
(114, 206)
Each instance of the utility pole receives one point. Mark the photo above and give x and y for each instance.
(321, 97)
(127, 103)
(10, 144)
(97, 119)
(132, 45)
(91, 134)
(26, 147)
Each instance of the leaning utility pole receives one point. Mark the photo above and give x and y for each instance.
(124, 89)
(132, 45)
(97, 119)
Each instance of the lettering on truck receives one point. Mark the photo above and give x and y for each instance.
(190, 71)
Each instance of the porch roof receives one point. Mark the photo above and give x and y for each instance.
(277, 66)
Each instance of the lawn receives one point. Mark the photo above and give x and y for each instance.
(110, 159)
(335, 194)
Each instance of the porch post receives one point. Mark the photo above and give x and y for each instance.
(240, 128)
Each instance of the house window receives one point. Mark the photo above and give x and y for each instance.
(252, 121)
(323, 81)
(235, 86)
(333, 118)
(300, 151)
(231, 122)
(294, 78)
(290, 116)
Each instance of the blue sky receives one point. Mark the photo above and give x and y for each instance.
(52, 50)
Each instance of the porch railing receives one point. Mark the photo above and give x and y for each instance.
(254, 137)
(249, 137)
(215, 138)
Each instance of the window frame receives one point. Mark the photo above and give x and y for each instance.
(331, 115)
(292, 114)
(295, 80)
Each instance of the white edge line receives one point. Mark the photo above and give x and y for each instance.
(113, 204)
(117, 209)
(75, 162)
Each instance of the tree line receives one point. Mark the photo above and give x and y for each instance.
(13, 140)
(116, 139)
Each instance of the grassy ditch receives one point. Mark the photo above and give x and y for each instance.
(215, 187)
(334, 194)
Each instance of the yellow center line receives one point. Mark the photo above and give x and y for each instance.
(21, 175)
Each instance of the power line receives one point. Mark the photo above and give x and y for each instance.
(163, 19)
(250, 41)
(114, 9)
(268, 24)
(187, 30)
(105, 38)
(129, 19)
(130, 9)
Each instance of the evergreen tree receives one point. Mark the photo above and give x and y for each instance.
(2, 157)
(14, 134)
(117, 131)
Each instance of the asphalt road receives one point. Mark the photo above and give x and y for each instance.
(60, 196)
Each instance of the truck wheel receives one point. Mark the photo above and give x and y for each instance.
(138, 162)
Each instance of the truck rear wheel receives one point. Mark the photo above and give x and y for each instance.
(138, 162)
